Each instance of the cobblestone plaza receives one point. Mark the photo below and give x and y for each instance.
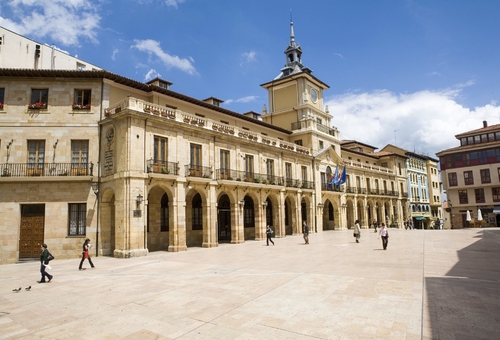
(431, 284)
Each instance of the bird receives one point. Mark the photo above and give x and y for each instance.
(17, 290)
(28, 288)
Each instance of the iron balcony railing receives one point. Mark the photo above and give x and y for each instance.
(191, 170)
(46, 169)
(162, 167)
(330, 187)
(246, 176)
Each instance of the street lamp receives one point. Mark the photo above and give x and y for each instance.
(95, 188)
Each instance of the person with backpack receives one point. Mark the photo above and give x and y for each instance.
(269, 234)
(86, 254)
(44, 261)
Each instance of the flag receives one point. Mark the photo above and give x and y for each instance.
(334, 178)
(342, 178)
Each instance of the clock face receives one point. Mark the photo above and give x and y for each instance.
(314, 95)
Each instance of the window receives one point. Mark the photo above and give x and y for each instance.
(304, 174)
(82, 98)
(36, 154)
(288, 170)
(160, 155)
(298, 142)
(80, 66)
(40, 96)
(224, 164)
(79, 153)
(164, 213)
(270, 168)
(452, 179)
(496, 194)
(479, 195)
(462, 197)
(321, 145)
(77, 219)
(399, 168)
(195, 157)
(485, 176)
(484, 138)
(468, 178)
(249, 165)
(197, 213)
(2, 97)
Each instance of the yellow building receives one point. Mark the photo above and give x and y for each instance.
(137, 167)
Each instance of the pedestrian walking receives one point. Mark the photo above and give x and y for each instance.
(410, 223)
(269, 233)
(384, 233)
(438, 224)
(357, 231)
(86, 254)
(44, 262)
(305, 232)
(375, 225)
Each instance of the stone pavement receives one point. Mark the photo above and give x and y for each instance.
(432, 284)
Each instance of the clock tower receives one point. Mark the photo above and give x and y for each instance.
(295, 102)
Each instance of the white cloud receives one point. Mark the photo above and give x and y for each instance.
(63, 21)
(339, 55)
(115, 52)
(248, 56)
(152, 47)
(425, 122)
(152, 74)
(173, 3)
(246, 99)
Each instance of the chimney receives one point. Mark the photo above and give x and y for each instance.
(485, 123)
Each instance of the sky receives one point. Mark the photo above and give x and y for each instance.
(412, 73)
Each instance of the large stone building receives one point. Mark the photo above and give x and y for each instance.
(471, 178)
(138, 167)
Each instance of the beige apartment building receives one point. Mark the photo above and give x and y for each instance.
(137, 167)
(17, 51)
(471, 178)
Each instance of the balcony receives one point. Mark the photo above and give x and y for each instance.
(244, 176)
(330, 187)
(162, 167)
(198, 171)
(367, 166)
(202, 124)
(46, 169)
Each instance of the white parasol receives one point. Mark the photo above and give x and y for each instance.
(479, 215)
(468, 216)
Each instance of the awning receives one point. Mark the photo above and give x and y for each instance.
(496, 209)
(420, 218)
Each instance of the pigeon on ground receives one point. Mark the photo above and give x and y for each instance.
(17, 290)
(28, 288)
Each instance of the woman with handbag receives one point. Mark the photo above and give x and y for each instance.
(44, 261)
(86, 254)
(357, 231)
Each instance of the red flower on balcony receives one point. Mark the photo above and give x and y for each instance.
(37, 106)
(81, 106)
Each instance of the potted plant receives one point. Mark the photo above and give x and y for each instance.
(6, 173)
(164, 170)
(37, 106)
(81, 106)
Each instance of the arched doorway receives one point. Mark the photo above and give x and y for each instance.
(249, 218)
(224, 219)
(288, 217)
(158, 219)
(328, 216)
(269, 213)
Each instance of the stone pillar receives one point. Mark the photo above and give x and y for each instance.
(210, 230)
(177, 234)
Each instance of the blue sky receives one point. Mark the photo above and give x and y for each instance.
(410, 73)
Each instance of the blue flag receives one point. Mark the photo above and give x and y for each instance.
(342, 178)
(335, 177)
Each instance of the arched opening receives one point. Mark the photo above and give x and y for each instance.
(269, 212)
(288, 218)
(328, 216)
(158, 223)
(224, 219)
(249, 218)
